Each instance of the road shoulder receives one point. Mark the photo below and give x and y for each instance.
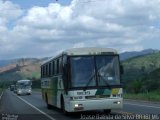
(141, 101)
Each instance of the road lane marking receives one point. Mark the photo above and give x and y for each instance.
(143, 105)
(37, 109)
(1, 95)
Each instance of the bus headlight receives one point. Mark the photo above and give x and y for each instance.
(76, 105)
(117, 102)
(19, 91)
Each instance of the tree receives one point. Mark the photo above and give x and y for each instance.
(137, 85)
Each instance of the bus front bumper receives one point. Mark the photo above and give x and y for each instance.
(21, 92)
(101, 104)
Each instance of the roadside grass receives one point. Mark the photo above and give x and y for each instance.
(150, 96)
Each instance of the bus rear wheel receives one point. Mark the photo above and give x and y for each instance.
(49, 106)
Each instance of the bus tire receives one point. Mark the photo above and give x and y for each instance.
(107, 111)
(63, 107)
(48, 105)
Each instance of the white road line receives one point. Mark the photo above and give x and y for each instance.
(37, 109)
(1, 95)
(143, 105)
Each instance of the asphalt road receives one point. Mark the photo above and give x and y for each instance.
(32, 107)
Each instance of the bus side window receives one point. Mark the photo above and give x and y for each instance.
(64, 62)
(53, 69)
(47, 70)
(44, 71)
(64, 66)
(60, 65)
(41, 71)
(50, 69)
(57, 66)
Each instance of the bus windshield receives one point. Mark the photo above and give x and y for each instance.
(85, 70)
(82, 71)
(108, 70)
(24, 85)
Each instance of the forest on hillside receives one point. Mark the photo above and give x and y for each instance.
(142, 74)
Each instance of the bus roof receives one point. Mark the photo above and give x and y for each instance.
(86, 51)
(90, 51)
(23, 80)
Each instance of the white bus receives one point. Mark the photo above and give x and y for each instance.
(23, 87)
(83, 79)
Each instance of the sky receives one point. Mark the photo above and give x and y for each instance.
(42, 28)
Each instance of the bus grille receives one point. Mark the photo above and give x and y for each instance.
(97, 96)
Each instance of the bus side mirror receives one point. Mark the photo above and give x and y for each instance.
(123, 84)
(121, 69)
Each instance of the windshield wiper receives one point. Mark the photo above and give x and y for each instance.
(107, 84)
(90, 79)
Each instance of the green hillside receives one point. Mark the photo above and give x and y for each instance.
(141, 74)
(23, 72)
(139, 67)
(152, 80)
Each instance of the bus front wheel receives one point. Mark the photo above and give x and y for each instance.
(63, 106)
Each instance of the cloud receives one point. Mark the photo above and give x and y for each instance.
(9, 11)
(44, 31)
